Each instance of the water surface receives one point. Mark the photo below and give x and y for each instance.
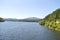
(26, 31)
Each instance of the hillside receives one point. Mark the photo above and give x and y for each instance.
(30, 19)
(52, 21)
(1, 19)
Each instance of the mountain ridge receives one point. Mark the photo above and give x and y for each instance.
(29, 19)
(52, 21)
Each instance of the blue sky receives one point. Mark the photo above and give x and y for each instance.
(27, 8)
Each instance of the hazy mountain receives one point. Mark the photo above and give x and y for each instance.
(10, 19)
(30, 19)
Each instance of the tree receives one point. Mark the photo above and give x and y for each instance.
(1, 19)
(52, 19)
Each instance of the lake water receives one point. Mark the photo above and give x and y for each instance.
(26, 31)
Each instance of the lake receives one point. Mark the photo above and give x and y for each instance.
(26, 31)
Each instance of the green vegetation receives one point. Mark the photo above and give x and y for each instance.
(1, 19)
(52, 21)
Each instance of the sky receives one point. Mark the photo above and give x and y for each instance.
(27, 8)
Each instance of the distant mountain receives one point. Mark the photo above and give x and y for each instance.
(10, 19)
(30, 19)
(52, 21)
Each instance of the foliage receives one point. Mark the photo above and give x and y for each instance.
(52, 20)
(1, 19)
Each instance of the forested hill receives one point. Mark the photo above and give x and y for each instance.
(1, 19)
(52, 20)
(53, 16)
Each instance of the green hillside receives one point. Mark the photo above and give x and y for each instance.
(52, 21)
(1, 19)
